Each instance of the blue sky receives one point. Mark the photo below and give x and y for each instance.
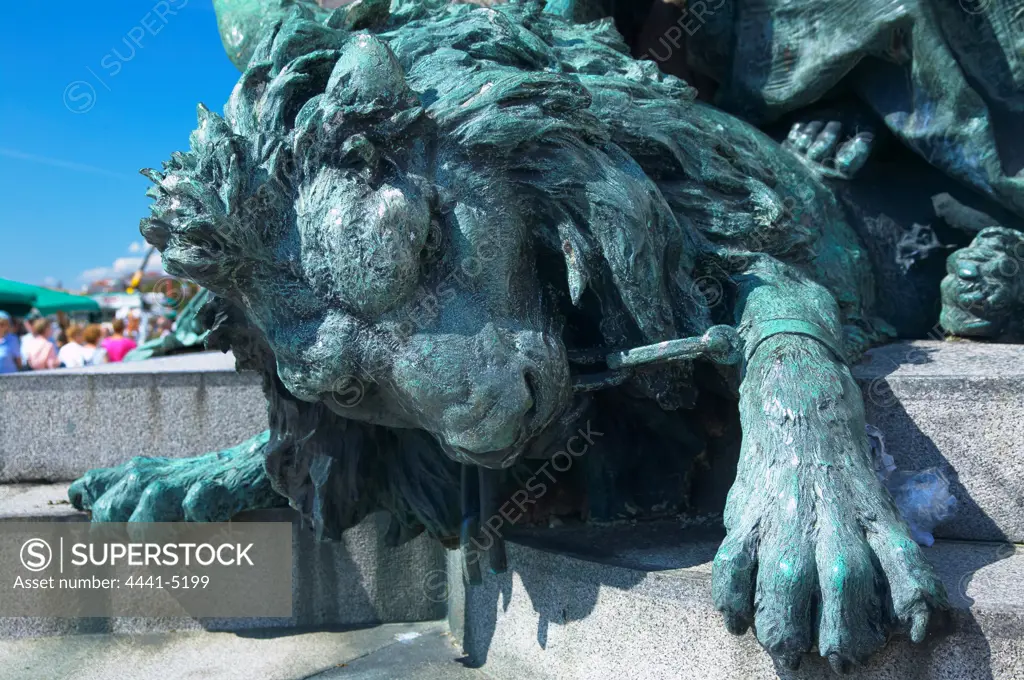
(89, 94)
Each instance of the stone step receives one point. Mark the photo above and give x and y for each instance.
(57, 424)
(951, 405)
(636, 604)
(432, 656)
(957, 406)
(415, 651)
(354, 582)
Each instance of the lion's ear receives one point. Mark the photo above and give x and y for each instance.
(298, 36)
(368, 73)
(299, 82)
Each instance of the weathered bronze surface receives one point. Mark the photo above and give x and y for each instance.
(453, 239)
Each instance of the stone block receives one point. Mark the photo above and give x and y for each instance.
(354, 582)
(627, 605)
(55, 425)
(957, 406)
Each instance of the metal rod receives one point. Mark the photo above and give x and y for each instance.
(599, 381)
(720, 344)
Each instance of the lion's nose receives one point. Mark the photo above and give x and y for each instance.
(482, 393)
(496, 412)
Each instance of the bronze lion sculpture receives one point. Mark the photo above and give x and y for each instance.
(447, 237)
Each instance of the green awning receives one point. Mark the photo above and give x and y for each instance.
(45, 300)
(13, 302)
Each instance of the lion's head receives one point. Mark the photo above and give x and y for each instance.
(399, 215)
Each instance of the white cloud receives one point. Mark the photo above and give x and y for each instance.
(123, 267)
(126, 265)
(136, 247)
(96, 273)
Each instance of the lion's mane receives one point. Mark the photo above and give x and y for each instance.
(590, 135)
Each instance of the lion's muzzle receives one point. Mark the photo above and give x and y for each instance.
(484, 396)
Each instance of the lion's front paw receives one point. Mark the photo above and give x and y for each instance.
(210, 488)
(812, 571)
(983, 292)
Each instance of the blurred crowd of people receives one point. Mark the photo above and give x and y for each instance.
(36, 344)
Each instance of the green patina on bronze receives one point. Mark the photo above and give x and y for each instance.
(437, 230)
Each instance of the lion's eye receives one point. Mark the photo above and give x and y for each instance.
(359, 154)
(205, 242)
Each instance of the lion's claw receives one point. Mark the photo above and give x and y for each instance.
(841, 577)
(210, 488)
